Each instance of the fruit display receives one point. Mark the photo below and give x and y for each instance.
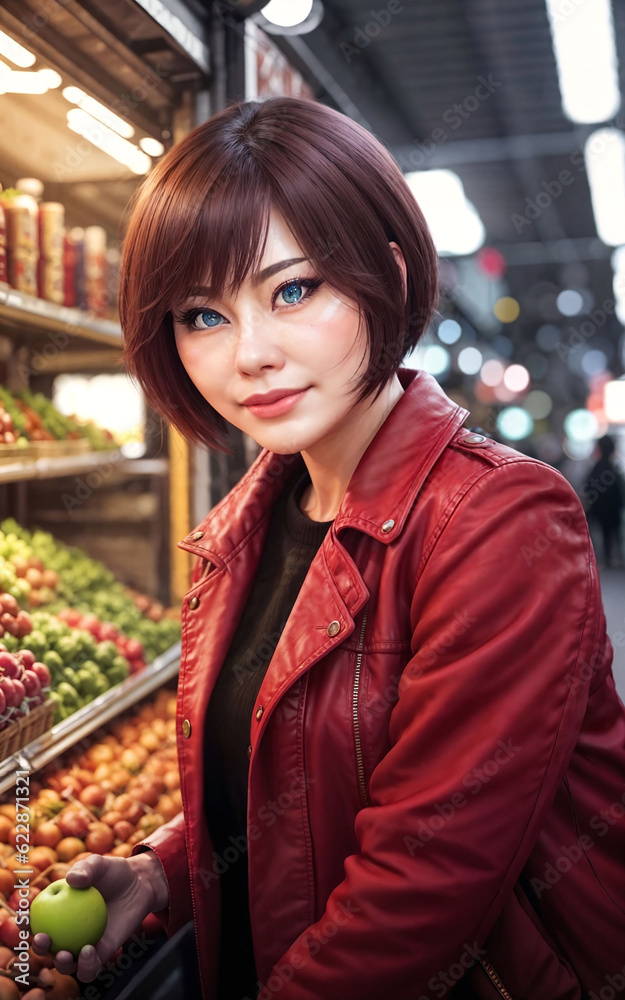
(80, 666)
(45, 422)
(88, 586)
(31, 417)
(103, 796)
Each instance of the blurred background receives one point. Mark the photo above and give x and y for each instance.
(507, 121)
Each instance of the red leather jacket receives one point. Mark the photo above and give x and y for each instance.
(437, 751)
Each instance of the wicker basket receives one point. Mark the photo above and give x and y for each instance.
(35, 723)
(49, 449)
(10, 739)
(15, 453)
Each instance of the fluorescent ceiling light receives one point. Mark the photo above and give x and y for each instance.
(614, 401)
(151, 146)
(14, 82)
(77, 96)
(287, 13)
(12, 50)
(108, 141)
(604, 156)
(453, 220)
(52, 78)
(618, 282)
(585, 51)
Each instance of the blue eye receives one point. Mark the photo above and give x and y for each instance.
(207, 313)
(292, 292)
(189, 319)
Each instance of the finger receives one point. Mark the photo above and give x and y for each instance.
(41, 943)
(89, 964)
(35, 994)
(84, 873)
(64, 962)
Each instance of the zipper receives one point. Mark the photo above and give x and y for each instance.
(362, 784)
(492, 975)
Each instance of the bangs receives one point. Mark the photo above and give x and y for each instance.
(228, 239)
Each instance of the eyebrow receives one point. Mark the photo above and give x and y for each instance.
(257, 279)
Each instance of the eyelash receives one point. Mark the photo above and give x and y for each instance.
(187, 319)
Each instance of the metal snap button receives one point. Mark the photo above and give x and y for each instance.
(473, 439)
(259, 713)
(197, 535)
(333, 628)
(249, 752)
(186, 729)
(193, 603)
(386, 527)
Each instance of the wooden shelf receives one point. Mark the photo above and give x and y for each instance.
(24, 313)
(70, 465)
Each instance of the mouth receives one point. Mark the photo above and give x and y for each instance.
(277, 406)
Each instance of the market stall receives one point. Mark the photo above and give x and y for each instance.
(94, 490)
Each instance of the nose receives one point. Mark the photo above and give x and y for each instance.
(256, 346)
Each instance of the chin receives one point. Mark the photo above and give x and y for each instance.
(284, 444)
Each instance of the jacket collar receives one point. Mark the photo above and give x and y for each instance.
(381, 490)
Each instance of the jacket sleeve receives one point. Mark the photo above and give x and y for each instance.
(506, 619)
(169, 844)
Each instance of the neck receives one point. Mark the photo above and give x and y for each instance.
(333, 460)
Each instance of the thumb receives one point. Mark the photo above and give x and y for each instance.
(83, 873)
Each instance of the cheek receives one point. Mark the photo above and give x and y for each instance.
(198, 360)
(334, 326)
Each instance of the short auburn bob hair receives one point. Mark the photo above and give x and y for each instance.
(201, 217)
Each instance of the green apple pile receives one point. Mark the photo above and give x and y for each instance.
(87, 585)
(81, 668)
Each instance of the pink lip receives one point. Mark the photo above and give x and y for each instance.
(278, 406)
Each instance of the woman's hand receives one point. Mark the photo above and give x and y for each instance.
(132, 888)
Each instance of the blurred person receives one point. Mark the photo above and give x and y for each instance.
(401, 749)
(603, 496)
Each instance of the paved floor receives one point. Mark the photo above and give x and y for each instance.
(613, 594)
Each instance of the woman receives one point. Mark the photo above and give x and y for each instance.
(400, 745)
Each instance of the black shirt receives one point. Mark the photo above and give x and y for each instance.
(290, 545)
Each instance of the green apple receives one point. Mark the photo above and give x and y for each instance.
(71, 917)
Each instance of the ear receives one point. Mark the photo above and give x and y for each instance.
(401, 263)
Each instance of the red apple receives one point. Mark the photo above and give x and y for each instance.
(134, 649)
(43, 673)
(20, 690)
(31, 682)
(26, 657)
(10, 665)
(9, 603)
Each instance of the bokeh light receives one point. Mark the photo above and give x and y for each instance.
(514, 423)
(538, 404)
(470, 360)
(449, 331)
(593, 362)
(492, 372)
(506, 309)
(436, 359)
(548, 336)
(581, 425)
(570, 302)
(516, 378)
